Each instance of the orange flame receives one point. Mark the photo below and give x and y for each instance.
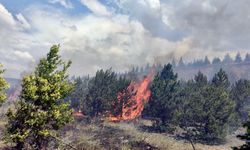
(135, 104)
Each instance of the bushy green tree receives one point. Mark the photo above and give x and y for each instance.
(41, 110)
(240, 93)
(219, 114)
(220, 108)
(162, 103)
(192, 100)
(245, 137)
(220, 79)
(3, 86)
(123, 97)
(206, 108)
(79, 93)
(103, 92)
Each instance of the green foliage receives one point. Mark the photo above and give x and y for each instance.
(207, 109)
(240, 93)
(162, 103)
(79, 93)
(102, 93)
(245, 137)
(122, 97)
(41, 110)
(3, 86)
(238, 58)
(221, 79)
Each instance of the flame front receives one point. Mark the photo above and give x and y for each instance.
(135, 104)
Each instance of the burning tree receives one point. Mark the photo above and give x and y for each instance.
(116, 97)
(102, 93)
(133, 99)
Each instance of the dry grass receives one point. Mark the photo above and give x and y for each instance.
(125, 136)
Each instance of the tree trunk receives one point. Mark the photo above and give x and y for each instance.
(191, 142)
(19, 146)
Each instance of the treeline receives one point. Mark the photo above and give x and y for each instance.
(206, 110)
(215, 61)
(195, 63)
(235, 67)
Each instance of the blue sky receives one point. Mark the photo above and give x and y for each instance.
(98, 34)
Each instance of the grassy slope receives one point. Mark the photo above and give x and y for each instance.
(125, 136)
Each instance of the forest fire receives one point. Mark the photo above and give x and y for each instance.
(135, 104)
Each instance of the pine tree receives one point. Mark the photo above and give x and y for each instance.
(219, 111)
(181, 63)
(245, 137)
(206, 61)
(173, 63)
(102, 93)
(3, 86)
(206, 109)
(200, 79)
(192, 100)
(162, 102)
(79, 94)
(123, 95)
(216, 61)
(227, 59)
(238, 58)
(240, 93)
(41, 110)
(247, 58)
(221, 79)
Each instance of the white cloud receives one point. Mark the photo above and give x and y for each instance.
(14, 38)
(65, 3)
(96, 7)
(25, 56)
(5, 16)
(102, 39)
(23, 21)
(154, 4)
